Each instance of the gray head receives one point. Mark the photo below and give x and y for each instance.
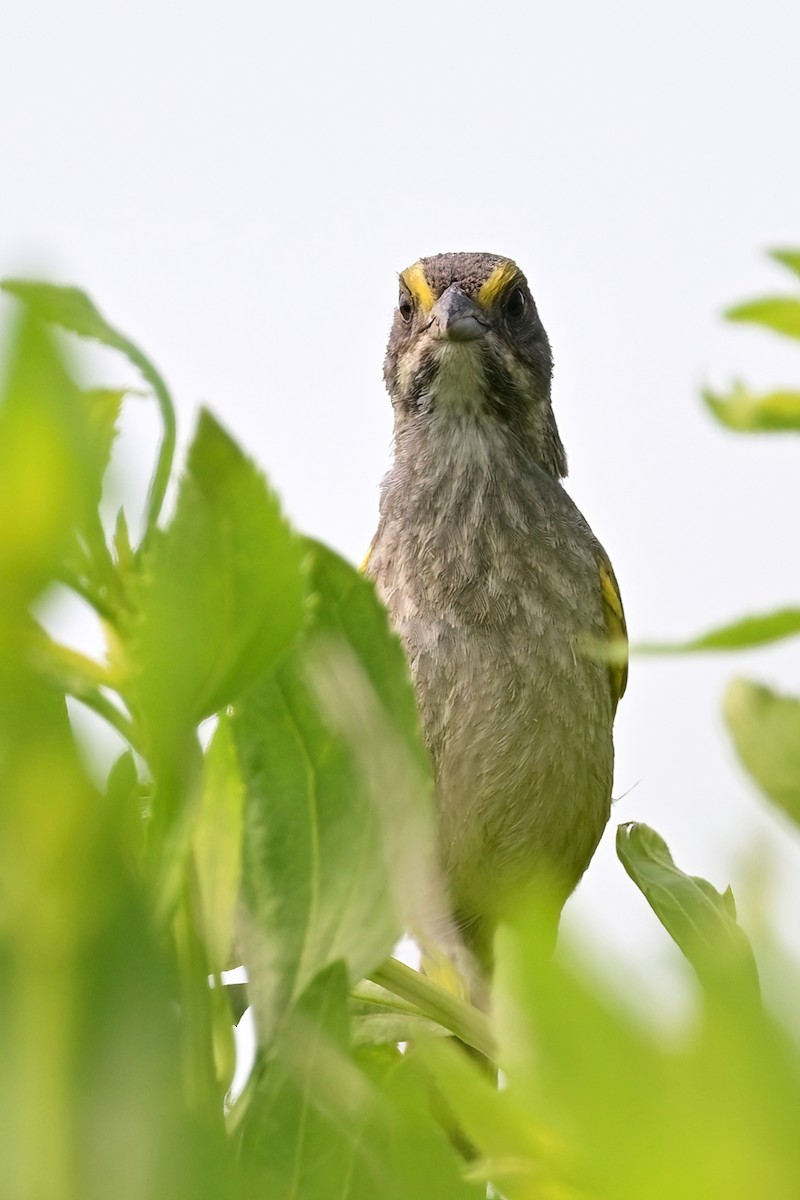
(467, 344)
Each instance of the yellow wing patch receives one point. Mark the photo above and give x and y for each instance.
(417, 284)
(615, 624)
(497, 282)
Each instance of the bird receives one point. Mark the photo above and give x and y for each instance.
(497, 588)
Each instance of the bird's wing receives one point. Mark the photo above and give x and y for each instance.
(615, 624)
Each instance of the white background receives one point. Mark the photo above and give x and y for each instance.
(237, 186)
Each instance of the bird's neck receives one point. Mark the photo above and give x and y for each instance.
(459, 506)
(467, 476)
(444, 459)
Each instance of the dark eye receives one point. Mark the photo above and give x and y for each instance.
(516, 303)
(405, 306)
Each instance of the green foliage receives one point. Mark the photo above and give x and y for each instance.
(765, 728)
(213, 611)
(47, 460)
(332, 843)
(296, 840)
(743, 634)
(780, 313)
(789, 258)
(216, 844)
(777, 411)
(745, 411)
(699, 918)
(71, 309)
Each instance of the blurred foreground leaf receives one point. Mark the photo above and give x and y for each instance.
(72, 310)
(125, 795)
(90, 1053)
(700, 919)
(765, 728)
(604, 1106)
(513, 1149)
(48, 471)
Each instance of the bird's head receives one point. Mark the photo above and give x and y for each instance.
(467, 344)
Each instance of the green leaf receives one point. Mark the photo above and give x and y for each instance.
(67, 307)
(90, 1037)
(222, 593)
(72, 310)
(698, 918)
(756, 630)
(133, 1133)
(102, 413)
(621, 1107)
(123, 551)
(765, 728)
(126, 797)
(789, 258)
(417, 1155)
(338, 825)
(508, 1141)
(315, 1125)
(387, 1029)
(48, 473)
(779, 313)
(217, 843)
(95, 569)
(747, 412)
(297, 1136)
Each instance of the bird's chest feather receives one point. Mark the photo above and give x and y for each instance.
(474, 539)
(494, 607)
(490, 577)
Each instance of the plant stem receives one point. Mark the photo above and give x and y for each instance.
(455, 1015)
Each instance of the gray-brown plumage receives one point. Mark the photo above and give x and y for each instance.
(494, 581)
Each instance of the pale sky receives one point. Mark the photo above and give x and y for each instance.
(238, 185)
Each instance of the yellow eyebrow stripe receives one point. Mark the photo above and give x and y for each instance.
(417, 284)
(497, 282)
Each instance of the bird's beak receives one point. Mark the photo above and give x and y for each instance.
(456, 318)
